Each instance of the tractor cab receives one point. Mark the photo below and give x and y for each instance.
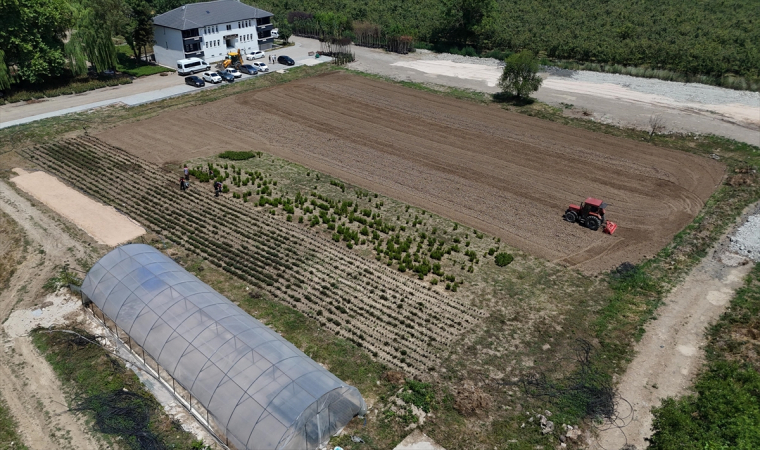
(593, 206)
(590, 214)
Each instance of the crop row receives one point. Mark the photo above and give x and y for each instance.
(397, 319)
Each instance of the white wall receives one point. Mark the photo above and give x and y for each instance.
(215, 46)
(169, 47)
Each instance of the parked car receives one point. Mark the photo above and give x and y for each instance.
(249, 69)
(232, 71)
(195, 81)
(261, 67)
(226, 76)
(212, 77)
(287, 60)
(258, 54)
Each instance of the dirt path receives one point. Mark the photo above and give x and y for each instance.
(27, 382)
(670, 353)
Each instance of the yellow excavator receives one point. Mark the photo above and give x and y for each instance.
(234, 59)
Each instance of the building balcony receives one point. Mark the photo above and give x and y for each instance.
(195, 54)
(264, 27)
(266, 39)
(192, 39)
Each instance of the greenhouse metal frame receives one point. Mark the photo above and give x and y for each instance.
(258, 389)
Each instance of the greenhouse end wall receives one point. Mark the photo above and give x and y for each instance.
(257, 387)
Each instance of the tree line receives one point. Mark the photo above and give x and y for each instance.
(45, 39)
(710, 38)
(40, 39)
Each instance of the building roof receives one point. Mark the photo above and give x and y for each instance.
(197, 15)
(257, 387)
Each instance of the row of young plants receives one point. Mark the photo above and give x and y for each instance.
(406, 242)
(399, 321)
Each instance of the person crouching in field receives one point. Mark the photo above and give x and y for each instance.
(217, 188)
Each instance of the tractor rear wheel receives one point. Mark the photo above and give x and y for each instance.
(571, 216)
(593, 223)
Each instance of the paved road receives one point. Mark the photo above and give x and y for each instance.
(142, 90)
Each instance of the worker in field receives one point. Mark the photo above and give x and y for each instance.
(187, 173)
(182, 185)
(217, 188)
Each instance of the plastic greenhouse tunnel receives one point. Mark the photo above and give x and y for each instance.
(259, 389)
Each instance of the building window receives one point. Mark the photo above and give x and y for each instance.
(229, 27)
(239, 25)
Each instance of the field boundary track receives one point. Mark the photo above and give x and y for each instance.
(500, 172)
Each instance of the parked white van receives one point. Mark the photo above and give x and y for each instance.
(191, 65)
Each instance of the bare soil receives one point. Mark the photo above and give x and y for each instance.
(101, 222)
(27, 382)
(500, 172)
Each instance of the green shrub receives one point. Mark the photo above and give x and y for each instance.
(503, 259)
(418, 394)
(724, 414)
(236, 156)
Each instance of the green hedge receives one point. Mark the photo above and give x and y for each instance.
(237, 156)
(73, 88)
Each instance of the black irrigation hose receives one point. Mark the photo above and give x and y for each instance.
(599, 398)
(125, 414)
(119, 412)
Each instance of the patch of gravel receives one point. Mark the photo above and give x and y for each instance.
(746, 241)
(682, 92)
(432, 56)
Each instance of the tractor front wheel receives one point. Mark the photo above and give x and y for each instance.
(571, 216)
(593, 223)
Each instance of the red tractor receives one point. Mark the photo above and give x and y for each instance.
(591, 215)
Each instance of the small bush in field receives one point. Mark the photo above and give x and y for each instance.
(503, 259)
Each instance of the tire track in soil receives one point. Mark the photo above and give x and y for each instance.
(27, 382)
(504, 173)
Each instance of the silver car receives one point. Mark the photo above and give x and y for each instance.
(212, 77)
(261, 67)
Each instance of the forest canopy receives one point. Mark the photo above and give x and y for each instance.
(695, 37)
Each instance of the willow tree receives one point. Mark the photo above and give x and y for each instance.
(90, 37)
(5, 74)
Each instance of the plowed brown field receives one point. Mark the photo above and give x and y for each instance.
(500, 172)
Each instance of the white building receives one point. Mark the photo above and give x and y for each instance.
(210, 30)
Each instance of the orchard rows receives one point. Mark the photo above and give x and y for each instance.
(398, 320)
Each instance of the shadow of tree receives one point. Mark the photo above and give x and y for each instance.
(510, 99)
